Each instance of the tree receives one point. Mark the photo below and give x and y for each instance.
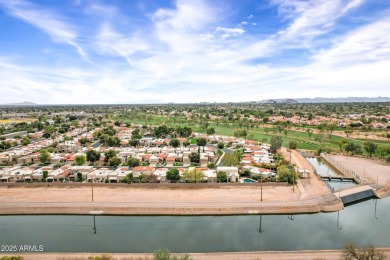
(92, 156)
(174, 142)
(108, 155)
(309, 132)
(173, 175)
(129, 178)
(276, 143)
(136, 134)
(383, 150)
(26, 141)
(83, 141)
(45, 174)
(330, 128)
(79, 176)
(133, 162)
(321, 127)
(134, 142)
(348, 130)
(292, 145)
(46, 135)
(221, 176)
(44, 156)
(368, 253)
(110, 140)
(153, 178)
(370, 147)
(353, 148)
(240, 133)
(80, 160)
(287, 173)
(194, 157)
(341, 144)
(114, 161)
(184, 131)
(221, 145)
(194, 175)
(162, 131)
(280, 128)
(210, 131)
(201, 142)
(186, 143)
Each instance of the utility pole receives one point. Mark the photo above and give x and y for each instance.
(293, 173)
(261, 187)
(92, 188)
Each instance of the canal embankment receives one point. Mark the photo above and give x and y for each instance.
(264, 255)
(112, 200)
(374, 173)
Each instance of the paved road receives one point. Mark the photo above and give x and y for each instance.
(228, 150)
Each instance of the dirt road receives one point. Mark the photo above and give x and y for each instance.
(135, 201)
(265, 255)
(374, 171)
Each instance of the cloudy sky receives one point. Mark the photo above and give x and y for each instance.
(153, 51)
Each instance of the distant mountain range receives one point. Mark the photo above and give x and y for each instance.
(25, 103)
(266, 101)
(326, 100)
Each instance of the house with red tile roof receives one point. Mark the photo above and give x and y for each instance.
(137, 171)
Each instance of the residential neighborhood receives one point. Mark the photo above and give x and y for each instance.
(154, 157)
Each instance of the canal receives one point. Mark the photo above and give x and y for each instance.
(324, 170)
(364, 223)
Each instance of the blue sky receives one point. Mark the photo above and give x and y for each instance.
(124, 51)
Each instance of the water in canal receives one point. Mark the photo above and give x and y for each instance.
(325, 171)
(364, 223)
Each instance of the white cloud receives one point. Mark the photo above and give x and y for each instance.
(182, 29)
(369, 43)
(313, 17)
(184, 56)
(229, 32)
(108, 41)
(46, 20)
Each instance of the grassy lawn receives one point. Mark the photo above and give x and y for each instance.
(303, 139)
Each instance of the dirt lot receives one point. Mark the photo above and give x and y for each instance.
(111, 194)
(372, 170)
(162, 201)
